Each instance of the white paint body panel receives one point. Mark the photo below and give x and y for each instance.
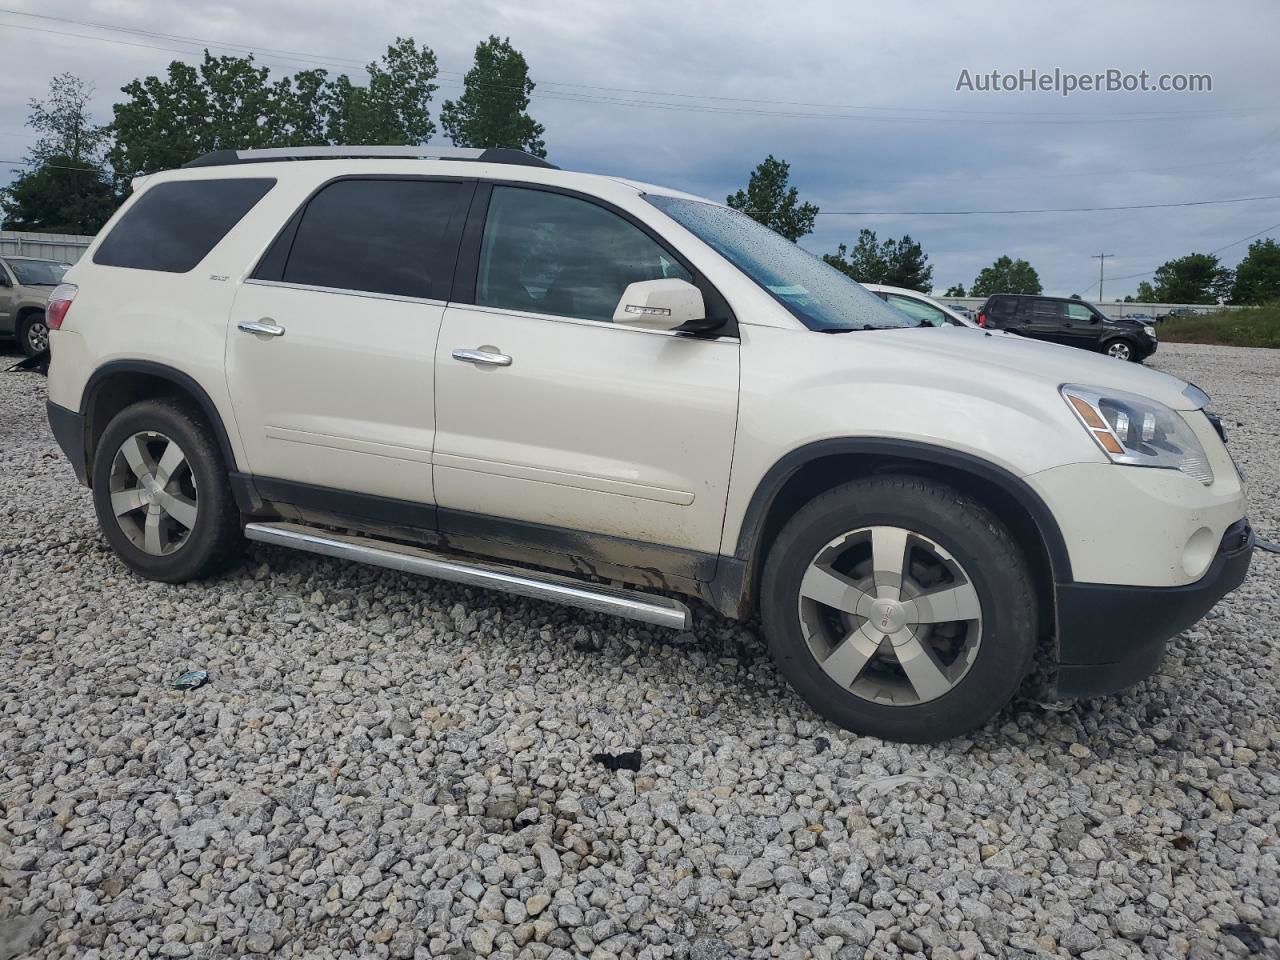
(595, 427)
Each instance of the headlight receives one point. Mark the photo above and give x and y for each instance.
(1138, 431)
(1149, 331)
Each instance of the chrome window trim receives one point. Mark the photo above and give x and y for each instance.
(583, 321)
(369, 294)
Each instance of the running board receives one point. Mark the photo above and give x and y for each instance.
(598, 598)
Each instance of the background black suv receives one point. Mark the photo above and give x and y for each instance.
(1068, 321)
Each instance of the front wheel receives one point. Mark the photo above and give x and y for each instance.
(899, 607)
(161, 493)
(33, 334)
(1120, 349)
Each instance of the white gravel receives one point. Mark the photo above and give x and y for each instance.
(386, 766)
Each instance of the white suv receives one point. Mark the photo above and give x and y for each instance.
(435, 360)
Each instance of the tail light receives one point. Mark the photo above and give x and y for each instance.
(982, 319)
(59, 303)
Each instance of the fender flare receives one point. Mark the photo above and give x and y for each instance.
(776, 477)
(183, 381)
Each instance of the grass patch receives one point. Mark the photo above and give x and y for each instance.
(1251, 327)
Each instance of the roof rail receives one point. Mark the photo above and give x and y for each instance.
(222, 158)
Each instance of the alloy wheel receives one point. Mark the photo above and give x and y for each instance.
(153, 493)
(1120, 350)
(890, 615)
(38, 336)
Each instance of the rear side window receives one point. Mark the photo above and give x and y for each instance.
(1048, 309)
(393, 237)
(173, 226)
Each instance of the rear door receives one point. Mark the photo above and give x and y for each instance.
(578, 424)
(1044, 320)
(331, 349)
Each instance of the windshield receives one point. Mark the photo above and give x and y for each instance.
(38, 273)
(819, 295)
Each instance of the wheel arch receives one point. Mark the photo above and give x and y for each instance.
(28, 310)
(812, 469)
(120, 383)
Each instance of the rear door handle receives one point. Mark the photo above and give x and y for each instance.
(265, 325)
(486, 357)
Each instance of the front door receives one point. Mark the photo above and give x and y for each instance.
(331, 366)
(567, 420)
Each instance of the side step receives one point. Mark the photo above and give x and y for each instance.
(662, 611)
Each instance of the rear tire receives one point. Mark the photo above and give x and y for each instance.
(33, 334)
(893, 558)
(161, 493)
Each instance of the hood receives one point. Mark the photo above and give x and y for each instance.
(1048, 363)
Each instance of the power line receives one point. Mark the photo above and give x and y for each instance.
(970, 213)
(954, 115)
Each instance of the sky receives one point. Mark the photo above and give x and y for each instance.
(860, 98)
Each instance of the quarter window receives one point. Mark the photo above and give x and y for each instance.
(549, 253)
(174, 225)
(393, 237)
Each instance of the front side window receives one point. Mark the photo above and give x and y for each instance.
(1078, 311)
(815, 293)
(925, 314)
(38, 273)
(174, 225)
(550, 253)
(391, 237)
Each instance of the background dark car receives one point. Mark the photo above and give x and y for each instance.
(1074, 323)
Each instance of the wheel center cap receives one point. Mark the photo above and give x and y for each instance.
(887, 616)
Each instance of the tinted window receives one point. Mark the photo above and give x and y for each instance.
(395, 237)
(549, 253)
(173, 226)
(1047, 309)
(1001, 306)
(38, 273)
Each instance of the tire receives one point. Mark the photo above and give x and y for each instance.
(963, 671)
(1121, 350)
(32, 334)
(196, 528)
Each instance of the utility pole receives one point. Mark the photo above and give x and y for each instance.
(1102, 259)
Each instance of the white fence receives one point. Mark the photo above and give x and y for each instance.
(66, 247)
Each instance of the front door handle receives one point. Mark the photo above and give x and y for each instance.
(483, 356)
(265, 325)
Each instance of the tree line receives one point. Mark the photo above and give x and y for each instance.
(79, 172)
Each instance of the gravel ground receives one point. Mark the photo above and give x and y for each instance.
(385, 766)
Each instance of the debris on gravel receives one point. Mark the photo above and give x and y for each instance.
(383, 766)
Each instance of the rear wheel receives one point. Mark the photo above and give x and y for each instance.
(161, 493)
(900, 608)
(33, 334)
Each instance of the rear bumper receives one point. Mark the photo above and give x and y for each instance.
(1110, 637)
(68, 430)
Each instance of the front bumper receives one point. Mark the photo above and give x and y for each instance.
(1110, 636)
(68, 430)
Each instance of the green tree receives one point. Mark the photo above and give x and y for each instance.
(393, 108)
(897, 263)
(59, 196)
(1146, 293)
(1258, 274)
(65, 125)
(955, 290)
(1195, 278)
(492, 111)
(769, 199)
(65, 188)
(1006, 276)
(232, 103)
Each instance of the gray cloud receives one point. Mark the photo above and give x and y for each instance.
(903, 57)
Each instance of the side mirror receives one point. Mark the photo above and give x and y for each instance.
(660, 304)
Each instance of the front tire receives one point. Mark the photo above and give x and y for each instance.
(33, 334)
(1120, 350)
(161, 493)
(900, 608)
